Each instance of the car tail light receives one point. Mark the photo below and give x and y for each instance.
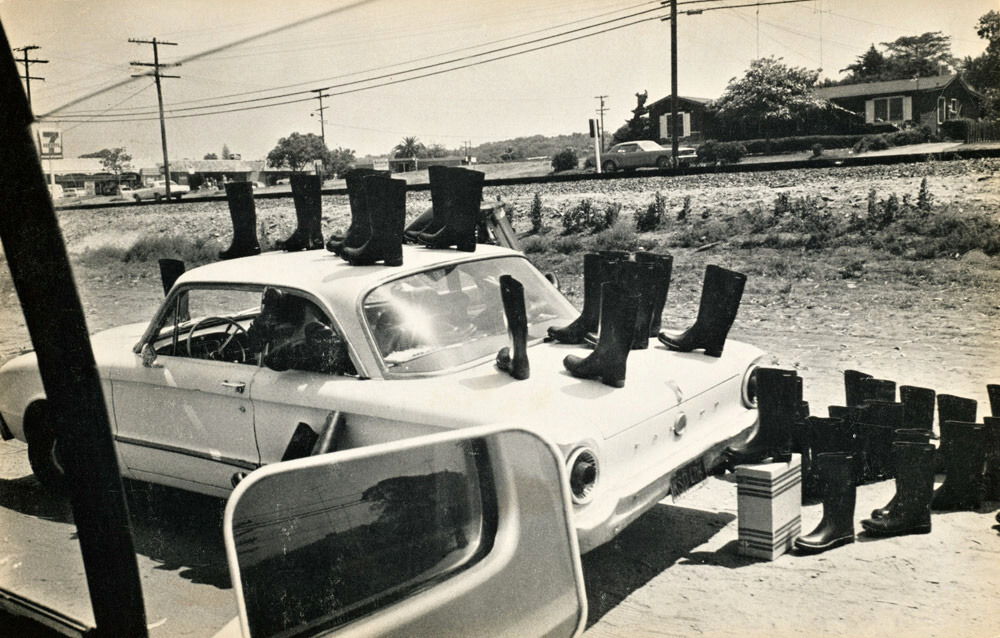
(583, 474)
(749, 389)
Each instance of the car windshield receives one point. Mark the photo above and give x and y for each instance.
(450, 316)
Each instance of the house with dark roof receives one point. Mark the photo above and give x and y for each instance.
(690, 115)
(925, 101)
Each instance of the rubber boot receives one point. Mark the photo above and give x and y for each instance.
(849, 415)
(993, 390)
(852, 387)
(308, 234)
(905, 435)
(356, 200)
(963, 486)
(839, 496)
(386, 211)
(720, 300)
(244, 216)
(462, 194)
(664, 265)
(591, 313)
(909, 511)
(170, 271)
(777, 406)
(826, 436)
(878, 390)
(991, 427)
(514, 359)
(612, 266)
(640, 276)
(951, 408)
(419, 225)
(918, 407)
(619, 307)
(877, 423)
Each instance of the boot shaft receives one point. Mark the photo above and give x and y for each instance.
(918, 406)
(993, 390)
(954, 408)
(239, 196)
(829, 435)
(170, 270)
(878, 390)
(306, 195)
(836, 473)
(852, 387)
(663, 266)
(721, 294)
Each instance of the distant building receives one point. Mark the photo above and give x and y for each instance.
(690, 113)
(194, 173)
(925, 101)
(87, 175)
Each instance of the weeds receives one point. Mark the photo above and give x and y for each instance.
(685, 210)
(586, 217)
(652, 217)
(196, 250)
(924, 197)
(568, 245)
(535, 213)
(619, 237)
(534, 245)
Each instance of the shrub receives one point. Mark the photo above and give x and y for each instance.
(651, 218)
(534, 245)
(799, 143)
(612, 210)
(619, 236)
(723, 152)
(817, 149)
(782, 204)
(535, 214)
(924, 196)
(565, 160)
(685, 210)
(871, 143)
(568, 245)
(586, 217)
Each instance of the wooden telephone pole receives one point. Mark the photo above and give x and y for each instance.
(156, 64)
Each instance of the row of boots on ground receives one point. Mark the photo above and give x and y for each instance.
(378, 216)
(873, 438)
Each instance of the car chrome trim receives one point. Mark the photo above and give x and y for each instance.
(744, 383)
(240, 463)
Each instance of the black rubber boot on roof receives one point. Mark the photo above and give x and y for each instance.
(720, 301)
(239, 195)
(839, 497)
(951, 408)
(663, 266)
(170, 271)
(963, 486)
(852, 387)
(777, 409)
(419, 225)
(307, 196)
(514, 359)
(877, 423)
(462, 195)
(607, 362)
(906, 435)
(909, 511)
(357, 202)
(993, 390)
(386, 211)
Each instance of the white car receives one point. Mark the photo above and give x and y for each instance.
(629, 156)
(193, 406)
(157, 191)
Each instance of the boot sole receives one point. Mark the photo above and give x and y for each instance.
(816, 549)
(917, 529)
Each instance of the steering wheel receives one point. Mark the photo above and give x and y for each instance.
(218, 353)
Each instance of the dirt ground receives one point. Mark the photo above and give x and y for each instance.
(933, 323)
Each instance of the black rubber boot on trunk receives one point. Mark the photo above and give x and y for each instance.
(170, 271)
(356, 200)
(618, 310)
(839, 496)
(852, 387)
(591, 313)
(244, 216)
(909, 511)
(963, 486)
(720, 301)
(777, 408)
(462, 195)
(306, 194)
(951, 408)
(386, 210)
(906, 435)
(514, 359)
(918, 407)
(640, 277)
(612, 267)
(993, 390)
(991, 427)
(663, 266)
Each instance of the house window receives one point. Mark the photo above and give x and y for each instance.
(683, 118)
(889, 109)
(942, 113)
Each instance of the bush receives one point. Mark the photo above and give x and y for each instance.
(652, 217)
(535, 214)
(534, 245)
(586, 217)
(150, 248)
(871, 143)
(723, 152)
(685, 210)
(565, 160)
(568, 245)
(619, 236)
(817, 149)
(799, 144)
(924, 197)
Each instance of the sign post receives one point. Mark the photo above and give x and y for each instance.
(597, 144)
(50, 147)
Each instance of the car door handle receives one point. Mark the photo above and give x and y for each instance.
(239, 387)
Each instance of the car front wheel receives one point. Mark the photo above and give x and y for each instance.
(43, 453)
(609, 167)
(663, 163)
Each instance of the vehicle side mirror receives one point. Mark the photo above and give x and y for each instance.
(149, 356)
(459, 533)
(552, 279)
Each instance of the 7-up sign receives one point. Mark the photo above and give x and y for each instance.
(50, 143)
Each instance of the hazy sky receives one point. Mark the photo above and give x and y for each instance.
(548, 92)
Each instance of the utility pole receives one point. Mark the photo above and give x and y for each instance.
(601, 112)
(27, 77)
(673, 76)
(322, 122)
(159, 97)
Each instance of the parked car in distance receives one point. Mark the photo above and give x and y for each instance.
(629, 156)
(158, 190)
(73, 192)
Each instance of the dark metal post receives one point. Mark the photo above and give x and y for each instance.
(75, 404)
(673, 82)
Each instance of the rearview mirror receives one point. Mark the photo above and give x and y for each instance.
(463, 533)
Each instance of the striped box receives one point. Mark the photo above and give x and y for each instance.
(769, 503)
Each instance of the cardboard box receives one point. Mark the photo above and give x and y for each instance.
(769, 503)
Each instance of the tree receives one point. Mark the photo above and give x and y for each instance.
(769, 98)
(983, 71)
(210, 156)
(437, 150)
(117, 161)
(871, 66)
(409, 147)
(638, 127)
(225, 152)
(918, 55)
(101, 154)
(297, 151)
(341, 159)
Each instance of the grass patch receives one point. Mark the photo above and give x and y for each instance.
(620, 236)
(150, 248)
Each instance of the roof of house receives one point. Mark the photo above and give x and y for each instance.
(912, 85)
(687, 98)
(210, 166)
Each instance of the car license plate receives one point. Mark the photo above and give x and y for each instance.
(686, 477)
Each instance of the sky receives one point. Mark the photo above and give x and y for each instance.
(367, 50)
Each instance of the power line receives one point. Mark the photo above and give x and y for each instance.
(156, 64)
